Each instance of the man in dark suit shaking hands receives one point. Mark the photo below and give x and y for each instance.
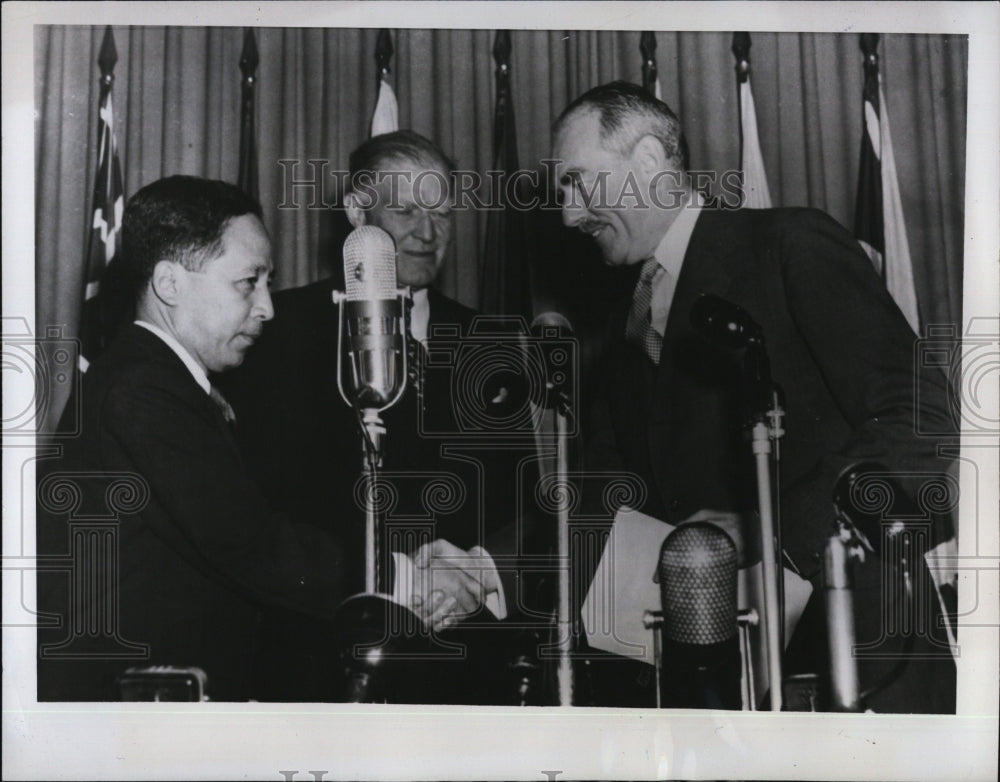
(195, 553)
(671, 410)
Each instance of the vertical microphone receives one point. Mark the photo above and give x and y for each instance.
(854, 529)
(701, 654)
(839, 600)
(372, 309)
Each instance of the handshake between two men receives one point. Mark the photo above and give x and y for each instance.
(443, 584)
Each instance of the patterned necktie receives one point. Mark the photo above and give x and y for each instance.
(223, 405)
(639, 327)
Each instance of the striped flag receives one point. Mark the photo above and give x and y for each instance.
(879, 223)
(385, 118)
(108, 203)
(756, 193)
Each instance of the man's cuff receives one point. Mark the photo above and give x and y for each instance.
(402, 587)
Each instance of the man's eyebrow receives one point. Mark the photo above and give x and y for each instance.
(261, 268)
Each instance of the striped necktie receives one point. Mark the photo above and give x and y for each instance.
(223, 405)
(639, 327)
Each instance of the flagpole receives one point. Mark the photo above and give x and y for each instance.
(650, 79)
(741, 51)
(505, 288)
(757, 194)
(249, 59)
(383, 56)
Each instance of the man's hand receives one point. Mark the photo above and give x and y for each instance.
(449, 583)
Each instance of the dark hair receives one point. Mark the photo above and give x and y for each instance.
(398, 146)
(179, 218)
(626, 113)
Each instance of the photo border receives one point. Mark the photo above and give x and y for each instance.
(266, 741)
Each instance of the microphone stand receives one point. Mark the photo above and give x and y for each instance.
(841, 548)
(766, 416)
(371, 616)
(372, 429)
(564, 675)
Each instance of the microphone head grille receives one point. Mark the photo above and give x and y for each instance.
(698, 584)
(369, 264)
(552, 320)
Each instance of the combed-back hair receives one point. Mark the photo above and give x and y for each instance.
(179, 218)
(627, 112)
(379, 153)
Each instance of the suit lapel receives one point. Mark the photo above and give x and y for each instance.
(183, 382)
(710, 264)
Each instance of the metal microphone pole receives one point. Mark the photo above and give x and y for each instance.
(729, 325)
(565, 670)
(558, 399)
(766, 407)
(762, 453)
(373, 426)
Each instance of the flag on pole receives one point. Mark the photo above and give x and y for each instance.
(109, 203)
(385, 118)
(879, 223)
(650, 79)
(505, 288)
(247, 178)
(756, 193)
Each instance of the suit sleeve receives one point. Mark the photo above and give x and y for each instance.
(865, 351)
(202, 501)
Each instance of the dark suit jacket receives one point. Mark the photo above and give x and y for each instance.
(843, 354)
(198, 551)
(838, 346)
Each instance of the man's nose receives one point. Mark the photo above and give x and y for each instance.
(263, 308)
(572, 213)
(425, 227)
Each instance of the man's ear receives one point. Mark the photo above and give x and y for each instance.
(356, 216)
(165, 281)
(649, 154)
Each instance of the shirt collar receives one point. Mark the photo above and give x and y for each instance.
(420, 315)
(673, 246)
(193, 367)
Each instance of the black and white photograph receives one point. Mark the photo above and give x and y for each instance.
(501, 391)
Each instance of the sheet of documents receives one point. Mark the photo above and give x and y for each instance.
(623, 589)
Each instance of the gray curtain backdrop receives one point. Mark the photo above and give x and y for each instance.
(177, 98)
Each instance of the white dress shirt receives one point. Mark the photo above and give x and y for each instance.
(420, 316)
(669, 254)
(193, 366)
